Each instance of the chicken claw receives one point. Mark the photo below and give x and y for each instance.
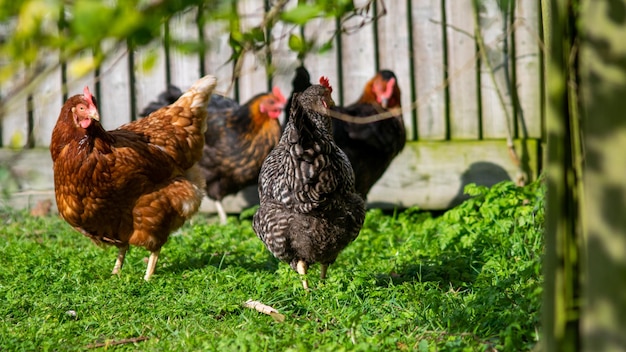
(323, 269)
(154, 256)
(119, 262)
(301, 268)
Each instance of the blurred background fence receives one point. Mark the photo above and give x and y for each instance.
(471, 81)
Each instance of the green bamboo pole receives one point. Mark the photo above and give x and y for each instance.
(563, 228)
(603, 90)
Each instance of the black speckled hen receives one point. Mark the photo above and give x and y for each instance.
(309, 209)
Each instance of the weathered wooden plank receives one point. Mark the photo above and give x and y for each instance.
(495, 32)
(322, 64)
(284, 61)
(358, 57)
(394, 53)
(428, 174)
(15, 115)
(114, 104)
(150, 79)
(253, 77)
(47, 103)
(429, 69)
(184, 67)
(432, 175)
(217, 55)
(462, 75)
(427, 32)
(31, 168)
(528, 66)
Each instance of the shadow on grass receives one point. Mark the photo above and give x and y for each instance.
(445, 271)
(223, 261)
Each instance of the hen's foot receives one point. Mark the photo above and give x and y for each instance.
(221, 212)
(154, 256)
(119, 262)
(301, 268)
(323, 270)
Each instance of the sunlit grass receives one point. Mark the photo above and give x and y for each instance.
(466, 280)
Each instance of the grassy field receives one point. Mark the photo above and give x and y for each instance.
(467, 280)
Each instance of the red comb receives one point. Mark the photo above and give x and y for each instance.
(279, 95)
(324, 82)
(87, 95)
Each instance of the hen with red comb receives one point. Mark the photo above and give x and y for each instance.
(133, 185)
(309, 209)
(324, 83)
(371, 147)
(237, 140)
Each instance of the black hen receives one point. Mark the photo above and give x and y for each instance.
(371, 147)
(301, 81)
(309, 209)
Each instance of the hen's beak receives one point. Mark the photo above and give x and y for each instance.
(384, 102)
(94, 114)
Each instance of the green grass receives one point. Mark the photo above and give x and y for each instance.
(468, 280)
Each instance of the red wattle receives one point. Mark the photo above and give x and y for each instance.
(85, 123)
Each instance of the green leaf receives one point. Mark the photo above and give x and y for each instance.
(325, 47)
(150, 61)
(82, 66)
(91, 21)
(301, 14)
(296, 43)
(255, 36)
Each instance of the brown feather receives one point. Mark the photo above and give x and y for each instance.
(136, 184)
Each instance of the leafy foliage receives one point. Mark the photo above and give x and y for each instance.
(34, 33)
(468, 280)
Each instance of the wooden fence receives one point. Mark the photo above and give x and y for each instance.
(450, 93)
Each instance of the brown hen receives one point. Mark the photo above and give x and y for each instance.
(136, 184)
(238, 139)
(309, 209)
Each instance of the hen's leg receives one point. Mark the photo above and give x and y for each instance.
(220, 211)
(301, 269)
(323, 269)
(121, 254)
(154, 256)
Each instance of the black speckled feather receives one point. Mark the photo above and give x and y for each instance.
(309, 209)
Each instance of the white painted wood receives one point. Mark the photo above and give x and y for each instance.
(462, 76)
(253, 78)
(357, 63)
(394, 55)
(430, 175)
(184, 67)
(358, 59)
(47, 103)
(217, 56)
(492, 21)
(15, 115)
(150, 82)
(528, 67)
(322, 64)
(284, 61)
(433, 175)
(429, 69)
(114, 103)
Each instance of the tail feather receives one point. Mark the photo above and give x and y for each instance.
(178, 129)
(197, 99)
(199, 93)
